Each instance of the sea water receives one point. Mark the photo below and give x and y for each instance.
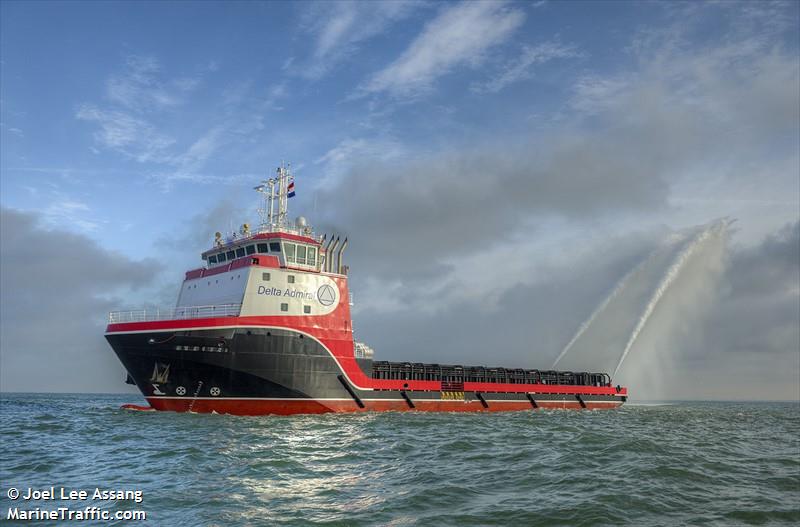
(686, 463)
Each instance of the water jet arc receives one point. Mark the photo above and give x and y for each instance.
(674, 270)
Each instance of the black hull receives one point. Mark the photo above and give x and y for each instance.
(258, 370)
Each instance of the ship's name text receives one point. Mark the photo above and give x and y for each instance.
(289, 293)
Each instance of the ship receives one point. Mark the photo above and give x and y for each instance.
(264, 327)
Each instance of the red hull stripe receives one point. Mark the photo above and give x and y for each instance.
(311, 406)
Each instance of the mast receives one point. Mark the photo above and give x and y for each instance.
(272, 220)
(283, 191)
(271, 200)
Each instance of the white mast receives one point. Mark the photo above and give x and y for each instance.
(283, 190)
(271, 200)
(272, 220)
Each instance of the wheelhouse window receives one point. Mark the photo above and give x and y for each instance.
(263, 248)
(240, 252)
(221, 257)
(212, 259)
(231, 255)
(250, 249)
(288, 250)
(274, 247)
(299, 254)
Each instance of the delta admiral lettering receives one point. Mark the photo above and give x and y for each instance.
(288, 293)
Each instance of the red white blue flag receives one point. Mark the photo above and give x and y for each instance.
(290, 193)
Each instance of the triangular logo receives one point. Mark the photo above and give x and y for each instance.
(326, 295)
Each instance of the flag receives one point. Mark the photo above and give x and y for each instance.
(290, 193)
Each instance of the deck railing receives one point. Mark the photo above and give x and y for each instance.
(148, 315)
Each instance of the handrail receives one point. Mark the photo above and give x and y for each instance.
(148, 315)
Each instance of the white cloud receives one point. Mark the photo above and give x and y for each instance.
(138, 87)
(521, 68)
(192, 160)
(351, 151)
(341, 28)
(138, 139)
(129, 124)
(70, 214)
(15, 131)
(596, 94)
(274, 94)
(336, 30)
(190, 165)
(129, 135)
(201, 149)
(166, 180)
(458, 36)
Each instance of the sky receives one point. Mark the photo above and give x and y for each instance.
(499, 169)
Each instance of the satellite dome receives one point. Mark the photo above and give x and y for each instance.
(301, 222)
